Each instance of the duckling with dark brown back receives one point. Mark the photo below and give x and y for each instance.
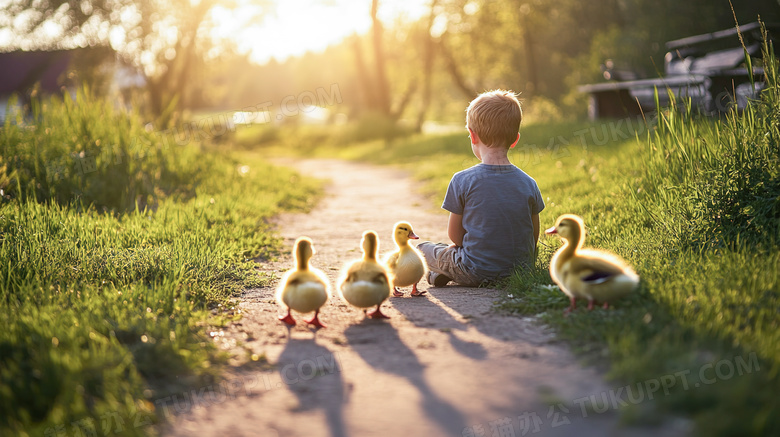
(590, 274)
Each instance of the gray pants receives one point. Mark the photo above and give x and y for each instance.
(446, 260)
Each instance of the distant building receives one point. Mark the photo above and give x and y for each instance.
(61, 71)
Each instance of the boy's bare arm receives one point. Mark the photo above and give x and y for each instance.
(455, 229)
(535, 221)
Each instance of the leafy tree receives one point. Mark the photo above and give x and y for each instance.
(167, 39)
(374, 80)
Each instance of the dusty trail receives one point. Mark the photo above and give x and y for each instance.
(443, 365)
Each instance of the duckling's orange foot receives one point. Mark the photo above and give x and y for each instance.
(590, 304)
(377, 314)
(397, 293)
(416, 292)
(316, 321)
(571, 307)
(288, 319)
(606, 305)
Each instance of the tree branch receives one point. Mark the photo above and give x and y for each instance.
(452, 68)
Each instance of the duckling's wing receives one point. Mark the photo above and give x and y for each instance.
(290, 279)
(607, 261)
(371, 272)
(351, 270)
(392, 260)
(376, 278)
(348, 274)
(597, 277)
(595, 270)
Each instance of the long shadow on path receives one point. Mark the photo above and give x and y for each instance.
(313, 373)
(367, 336)
(484, 317)
(425, 313)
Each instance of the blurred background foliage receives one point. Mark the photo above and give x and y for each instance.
(414, 68)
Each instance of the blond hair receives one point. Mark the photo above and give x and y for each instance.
(495, 117)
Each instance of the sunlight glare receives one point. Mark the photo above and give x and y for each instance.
(297, 26)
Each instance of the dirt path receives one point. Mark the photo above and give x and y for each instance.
(445, 364)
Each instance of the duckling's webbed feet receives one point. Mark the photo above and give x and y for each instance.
(288, 319)
(315, 320)
(397, 293)
(377, 313)
(416, 292)
(571, 307)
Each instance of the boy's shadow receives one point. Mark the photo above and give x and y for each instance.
(457, 299)
(425, 313)
(313, 373)
(396, 358)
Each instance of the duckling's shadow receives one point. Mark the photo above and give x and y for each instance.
(424, 313)
(380, 346)
(470, 349)
(457, 299)
(313, 373)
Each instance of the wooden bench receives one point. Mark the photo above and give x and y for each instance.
(704, 69)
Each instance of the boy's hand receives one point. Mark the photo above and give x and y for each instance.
(537, 227)
(455, 229)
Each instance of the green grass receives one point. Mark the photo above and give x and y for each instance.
(694, 205)
(433, 159)
(107, 276)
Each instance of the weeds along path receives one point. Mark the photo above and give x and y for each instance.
(442, 365)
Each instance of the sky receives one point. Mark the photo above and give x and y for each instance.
(298, 26)
(287, 28)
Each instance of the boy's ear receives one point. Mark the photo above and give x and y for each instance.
(474, 137)
(515, 143)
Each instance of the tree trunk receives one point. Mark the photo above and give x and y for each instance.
(396, 113)
(369, 100)
(428, 55)
(172, 84)
(530, 60)
(382, 87)
(188, 54)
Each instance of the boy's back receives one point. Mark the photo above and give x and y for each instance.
(497, 203)
(494, 206)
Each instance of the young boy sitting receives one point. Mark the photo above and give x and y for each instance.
(494, 206)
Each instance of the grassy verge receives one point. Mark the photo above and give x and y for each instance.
(694, 205)
(112, 249)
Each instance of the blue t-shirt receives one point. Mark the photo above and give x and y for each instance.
(497, 203)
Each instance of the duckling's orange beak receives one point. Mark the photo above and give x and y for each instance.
(551, 231)
(413, 236)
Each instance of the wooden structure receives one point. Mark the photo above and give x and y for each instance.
(707, 69)
(62, 71)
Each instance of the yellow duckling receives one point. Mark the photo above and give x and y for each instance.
(304, 288)
(365, 283)
(406, 265)
(585, 273)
